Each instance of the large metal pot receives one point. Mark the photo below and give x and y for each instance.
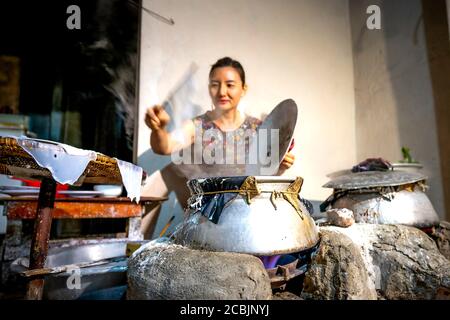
(392, 197)
(259, 215)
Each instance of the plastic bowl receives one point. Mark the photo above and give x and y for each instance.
(109, 190)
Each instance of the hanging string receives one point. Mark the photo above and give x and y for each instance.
(154, 14)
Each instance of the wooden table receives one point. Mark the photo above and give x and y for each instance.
(14, 160)
(24, 208)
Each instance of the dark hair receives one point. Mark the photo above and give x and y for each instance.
(228, 62)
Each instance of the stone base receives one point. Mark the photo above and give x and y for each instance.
(369, 261)
(161, 270)
(441, 235)
(363, 261)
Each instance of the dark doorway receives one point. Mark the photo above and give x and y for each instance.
(78, 86)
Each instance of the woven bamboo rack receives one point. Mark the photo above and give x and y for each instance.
(17, 162)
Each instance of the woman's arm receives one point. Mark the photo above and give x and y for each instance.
(161, 141)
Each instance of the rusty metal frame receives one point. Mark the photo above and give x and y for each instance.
(41, 236)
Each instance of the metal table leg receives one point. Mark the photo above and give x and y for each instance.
(41, 235)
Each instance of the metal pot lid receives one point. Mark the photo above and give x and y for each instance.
(370, 179)
(284, 118)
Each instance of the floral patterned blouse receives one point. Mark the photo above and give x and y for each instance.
(224, 138)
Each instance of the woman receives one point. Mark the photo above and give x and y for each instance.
(226, 88)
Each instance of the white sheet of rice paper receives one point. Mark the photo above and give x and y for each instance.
(66, 163)
(131, 178)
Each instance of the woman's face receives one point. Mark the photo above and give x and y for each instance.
(225, 88)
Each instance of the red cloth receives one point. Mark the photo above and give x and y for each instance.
(291, 146)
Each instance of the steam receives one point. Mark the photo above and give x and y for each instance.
(124, 90)
(180, 103)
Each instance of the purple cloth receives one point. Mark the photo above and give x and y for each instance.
(372, 164)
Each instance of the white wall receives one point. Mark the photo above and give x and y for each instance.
(290, 49)
(394, 97)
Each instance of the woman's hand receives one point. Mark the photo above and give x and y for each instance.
(287, 162)
(156, 118)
